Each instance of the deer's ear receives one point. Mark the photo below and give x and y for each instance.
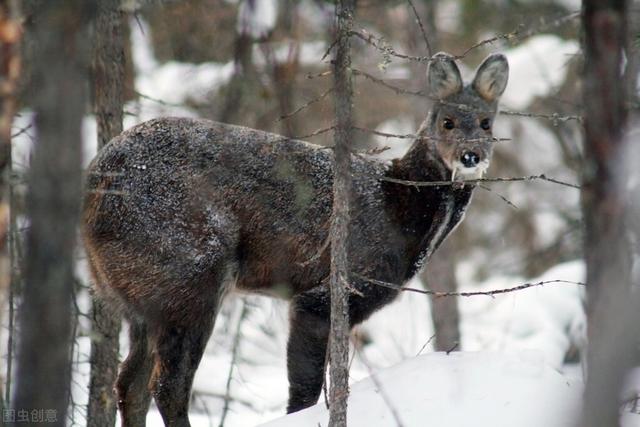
(444, 76)
(492, 77)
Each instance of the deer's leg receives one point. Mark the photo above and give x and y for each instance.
(179, 349)
(307, 348)
(132, 385)
(310, 325)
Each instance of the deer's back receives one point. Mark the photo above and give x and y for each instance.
(170, 191)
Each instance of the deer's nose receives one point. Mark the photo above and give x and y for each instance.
(470, 159)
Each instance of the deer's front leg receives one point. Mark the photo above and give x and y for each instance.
(307, 348)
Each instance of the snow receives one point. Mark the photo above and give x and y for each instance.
(396, 147)
(257, 18)
(173, 82)
(459, 389)
(536, 68)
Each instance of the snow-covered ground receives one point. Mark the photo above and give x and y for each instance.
(457, 390)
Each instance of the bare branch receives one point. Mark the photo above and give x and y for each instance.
(423, 137)
(380, 388)
(22, 130)
(541, 177)
(387, 50)
(490, 190)
(437, 294)
(234, 355)
(307, 104)
(516, 35)
(309, 135)
(507, 36)
(320, 74)
(431, 338)
(424, 33)
(396, 89)
(554, 117)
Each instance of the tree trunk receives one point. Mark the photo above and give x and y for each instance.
(339, 335)
(440, 275)
(58, 98)
(9, 76)
(612, 308)
(108, 79)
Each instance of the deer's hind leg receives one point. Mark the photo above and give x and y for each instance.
(188, 301)
(179, 350)
(132, 385)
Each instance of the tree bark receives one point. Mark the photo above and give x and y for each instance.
(339, 335)
(108, 83)
(58, 98)
(612, 307)
(440, 275)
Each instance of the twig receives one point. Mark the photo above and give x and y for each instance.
(507, 201)
(386, 50)
(381, 389)
(312, 134)
(329, 49)
(506, 36)
(157, 100)
(234, 355)
(453, 347)
(555, 117)
(22, 130)
(426, 344)
(541, 177)
(320, 74)
(302, 107)
(204, 394)
(425, 137)
(517, 34)
(437, 294)
(424, 33)
(381, 82)
(318, 253)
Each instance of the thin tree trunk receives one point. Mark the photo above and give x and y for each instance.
(339, 336)
(284, 73)
(439, 275)
(612, 308)
(53, 202)
(242, 81)
(9, 74)
(108, 75)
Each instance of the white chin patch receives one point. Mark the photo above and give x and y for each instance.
(476, 172)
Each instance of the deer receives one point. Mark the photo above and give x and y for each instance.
(178, 212)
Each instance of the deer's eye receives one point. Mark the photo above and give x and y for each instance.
(448, 124)
(485, 124)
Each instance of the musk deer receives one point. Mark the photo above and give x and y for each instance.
(179, 211)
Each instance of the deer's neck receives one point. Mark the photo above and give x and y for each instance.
(424, 214)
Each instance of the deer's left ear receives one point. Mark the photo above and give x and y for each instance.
(492, 77)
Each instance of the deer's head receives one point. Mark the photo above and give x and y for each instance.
(461, 120)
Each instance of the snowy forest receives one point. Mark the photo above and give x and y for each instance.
(517, 304)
